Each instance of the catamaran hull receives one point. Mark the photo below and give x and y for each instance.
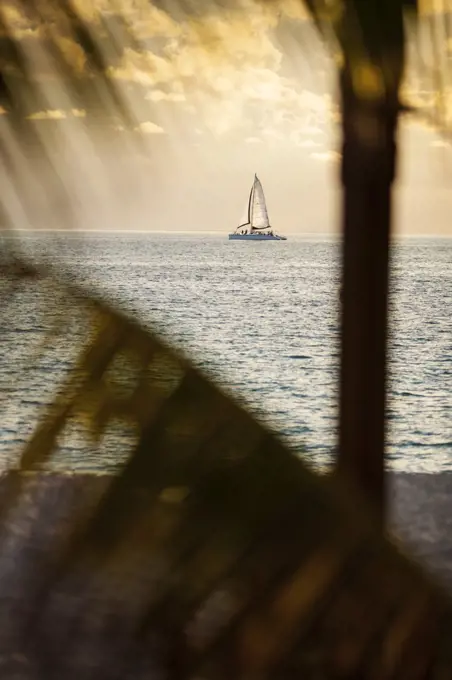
(256, 237)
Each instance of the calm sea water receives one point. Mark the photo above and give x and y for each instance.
(262, 319)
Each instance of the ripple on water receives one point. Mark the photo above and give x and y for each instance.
(264, 323)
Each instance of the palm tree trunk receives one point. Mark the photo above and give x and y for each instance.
(371, 33)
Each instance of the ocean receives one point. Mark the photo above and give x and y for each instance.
(262, 320)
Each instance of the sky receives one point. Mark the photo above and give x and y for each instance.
(215, 92)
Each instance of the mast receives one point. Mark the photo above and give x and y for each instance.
(250, 202)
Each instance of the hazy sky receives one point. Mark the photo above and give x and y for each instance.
(218, 93)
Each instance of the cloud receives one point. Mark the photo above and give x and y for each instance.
(73, 53)
(222, 65)
(89, 10)
(150, 128)
(253, 140)
(160, 95)
(225, 67)
(203, 52)
(309, 130)
(56, 114)
(441, 144)
(308, 143)
(431, 7)
(145, 68)
(19, 26)
(294, 9)
(49, 114)
(326, 156)
(149, 21)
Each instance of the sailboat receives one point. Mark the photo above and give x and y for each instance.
(256, 225)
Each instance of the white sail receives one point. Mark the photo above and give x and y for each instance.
(245, 220)
(258, 215)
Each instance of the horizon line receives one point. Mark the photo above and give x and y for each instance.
(12, 232)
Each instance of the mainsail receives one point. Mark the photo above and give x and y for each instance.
(257, 215)
(258, 209)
